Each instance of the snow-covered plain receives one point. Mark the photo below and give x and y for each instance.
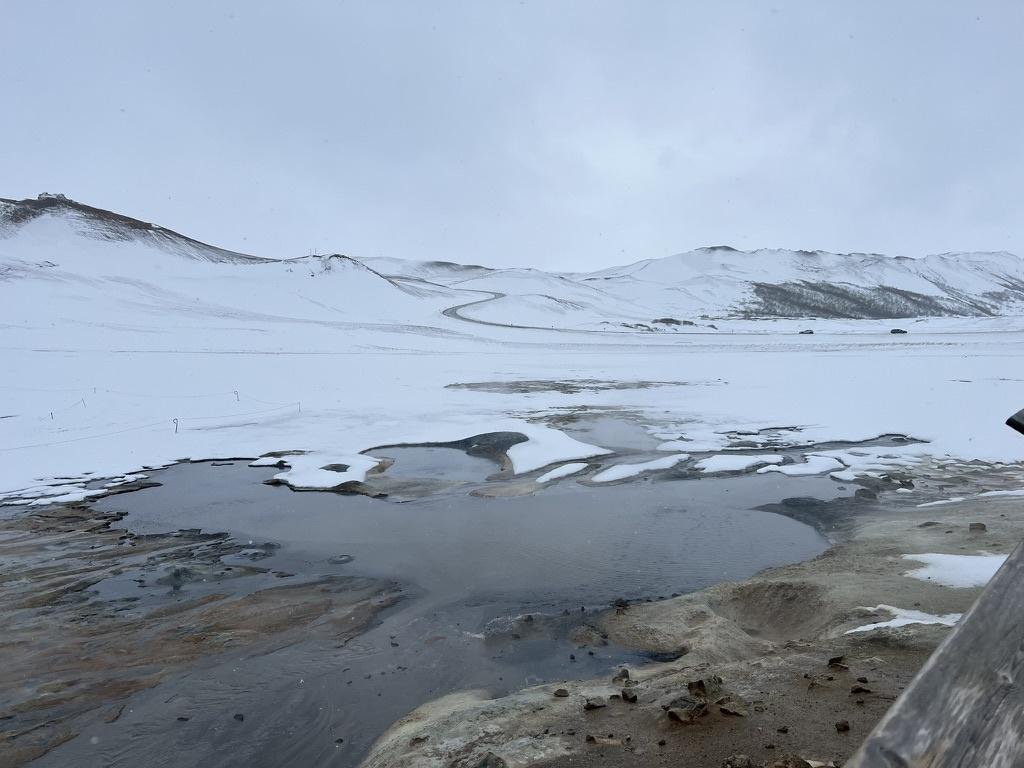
(126, 346)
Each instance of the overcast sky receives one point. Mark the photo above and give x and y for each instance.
(567, 135)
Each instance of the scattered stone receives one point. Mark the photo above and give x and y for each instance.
(843, 726)
(928, 524)
(528, 618)
(862, 679)
(836, 660)
(977, 527)
(239, 717)
(860, 689)
(340, 559)
(739, 761)
(595, 702)
(182, 719)
(686, 709)
(606, 741)
(621, 676)
(782, 729)
(662, 742)
(789, 761)
(415, 741)
(561, 693)
(731, 707)
(628, 696)
(491, 760)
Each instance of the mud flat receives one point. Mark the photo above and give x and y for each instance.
(754, 678)
(93, 614)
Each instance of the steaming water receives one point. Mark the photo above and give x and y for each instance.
(467, 563)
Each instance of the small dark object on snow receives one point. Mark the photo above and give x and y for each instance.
(182, 719)
(239, 717)
(977, 527)
(339, 741)
(561, 693)
(782, 729)
(843, 726)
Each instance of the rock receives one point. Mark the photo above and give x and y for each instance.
(528, 618)
(706, 688)
(789, 761)
(686, 709)
(862, 679)
(628, 696)
(977, 527)
(662, 742)
(340, 559)
(561, 693)
(239, 717)
(606, 741)
(621, 676)
(595, 702)
(782, 729)
(897, 330)
(732, 707)
(865, 493)
(843, 726)
(836, 660)
(491, 760)
(339, 741)
(738, 761)
(860, 689)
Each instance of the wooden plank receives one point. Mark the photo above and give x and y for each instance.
(966, 705)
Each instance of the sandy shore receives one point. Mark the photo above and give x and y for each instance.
(761, 648)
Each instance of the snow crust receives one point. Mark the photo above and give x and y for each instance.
(736, 462)
(904, 616)
(623, 471)
(811, 465)
(563, 471)
(961, 571)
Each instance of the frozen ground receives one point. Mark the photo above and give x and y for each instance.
(137, 350)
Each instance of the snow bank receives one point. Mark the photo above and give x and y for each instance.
(903, 617)
(812, 465)
(622, 471)
(548, 446)
(956, 570)
(736, 462)
(563, 471)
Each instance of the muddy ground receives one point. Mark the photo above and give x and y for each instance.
(92, 614)
(754, 677)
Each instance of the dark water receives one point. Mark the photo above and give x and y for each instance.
(469, 565)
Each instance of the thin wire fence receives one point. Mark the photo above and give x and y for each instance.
(173, 424)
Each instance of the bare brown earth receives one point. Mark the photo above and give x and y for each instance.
(71, 654)
(768, 639)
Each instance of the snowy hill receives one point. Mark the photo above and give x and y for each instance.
(68, 271)
(96, 266)
(722, 281)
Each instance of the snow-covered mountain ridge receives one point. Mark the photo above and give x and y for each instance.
(654, 294)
